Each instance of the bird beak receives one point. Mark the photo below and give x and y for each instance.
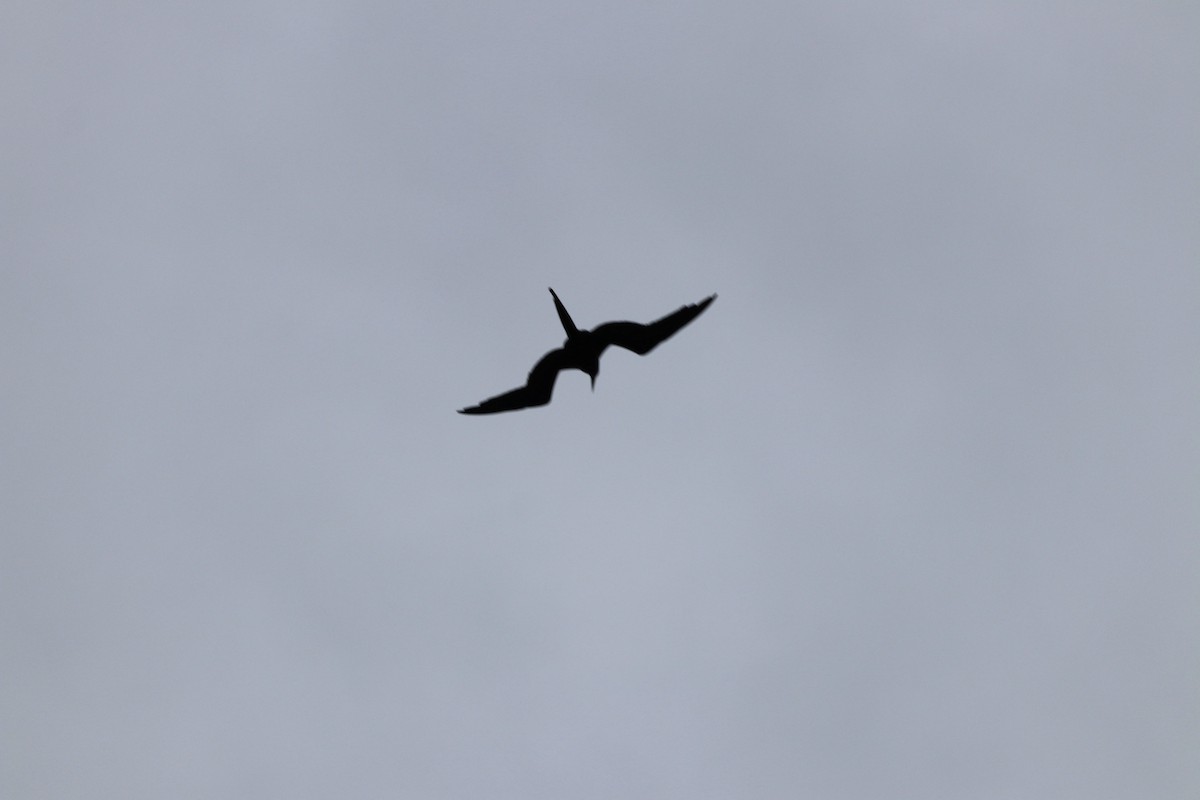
(593, 383)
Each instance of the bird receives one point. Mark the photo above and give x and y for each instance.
(581, 350)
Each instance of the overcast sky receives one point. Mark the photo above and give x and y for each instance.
(910, 512)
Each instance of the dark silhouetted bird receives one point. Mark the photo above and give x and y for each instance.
(582, 350)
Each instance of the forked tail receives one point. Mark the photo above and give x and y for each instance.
(567, 323)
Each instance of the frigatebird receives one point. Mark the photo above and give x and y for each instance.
(582, 350)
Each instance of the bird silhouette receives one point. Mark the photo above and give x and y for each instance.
(582, 350)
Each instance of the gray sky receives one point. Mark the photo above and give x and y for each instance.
(910, 512)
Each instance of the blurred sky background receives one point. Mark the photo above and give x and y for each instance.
(910, 512)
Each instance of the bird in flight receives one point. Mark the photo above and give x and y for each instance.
(582, 350)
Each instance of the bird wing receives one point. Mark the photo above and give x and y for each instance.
(640, 338)
(535, 392)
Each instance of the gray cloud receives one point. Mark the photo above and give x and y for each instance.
(908, 513)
